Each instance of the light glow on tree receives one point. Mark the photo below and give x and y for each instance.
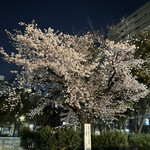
(93, 75)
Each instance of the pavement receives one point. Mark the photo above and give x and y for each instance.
(8, 147)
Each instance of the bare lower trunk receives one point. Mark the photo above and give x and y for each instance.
(15, 127)
(142, 122)
(93, 128)
(124, 124)
(84, 120)
(119, 125)
(136, 118)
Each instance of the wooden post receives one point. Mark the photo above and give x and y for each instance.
(87, 137)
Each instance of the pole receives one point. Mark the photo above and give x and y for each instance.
(87, 136)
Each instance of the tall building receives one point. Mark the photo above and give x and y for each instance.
(2, 78)
(3, 84)
(137, 21)
(129, 26)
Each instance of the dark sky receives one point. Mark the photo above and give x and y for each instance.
(68, 16)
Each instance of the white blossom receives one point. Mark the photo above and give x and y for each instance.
(97, 84)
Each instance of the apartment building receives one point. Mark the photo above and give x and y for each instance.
(3, 84)
(137, 21)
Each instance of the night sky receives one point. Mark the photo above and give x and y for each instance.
(68, 16)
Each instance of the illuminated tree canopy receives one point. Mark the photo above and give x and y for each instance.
(92, 75)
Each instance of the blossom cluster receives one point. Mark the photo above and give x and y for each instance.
(95, 73)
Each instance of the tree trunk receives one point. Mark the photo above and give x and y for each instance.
(82, 128)
(83, 120)
(136, 118)
(119, 124)
(93, 128)
(142, 122)
(100, 128)
(15, 126)
(124, 124)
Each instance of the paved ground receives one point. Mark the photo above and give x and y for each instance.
(8, 147)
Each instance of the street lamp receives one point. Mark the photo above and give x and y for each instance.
(22, 118)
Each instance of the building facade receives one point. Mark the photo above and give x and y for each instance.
(133, 24)
(3, 84)
(137, 21)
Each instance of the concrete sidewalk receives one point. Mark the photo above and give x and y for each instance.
(9, 147)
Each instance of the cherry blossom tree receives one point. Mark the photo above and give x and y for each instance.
(86, 73)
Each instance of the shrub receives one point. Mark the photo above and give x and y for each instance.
(29, 139)
(50, 139)
(113, 140)
(140, 141)
(68, 138)
(47, 139)
(146, 129)
(95, 142)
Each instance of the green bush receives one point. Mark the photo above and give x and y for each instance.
(29, 139)
(111, 140)
(68, 138)
(146, 129)
(50, 139)
(47, 139)
(140, 141)
(95, 140)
